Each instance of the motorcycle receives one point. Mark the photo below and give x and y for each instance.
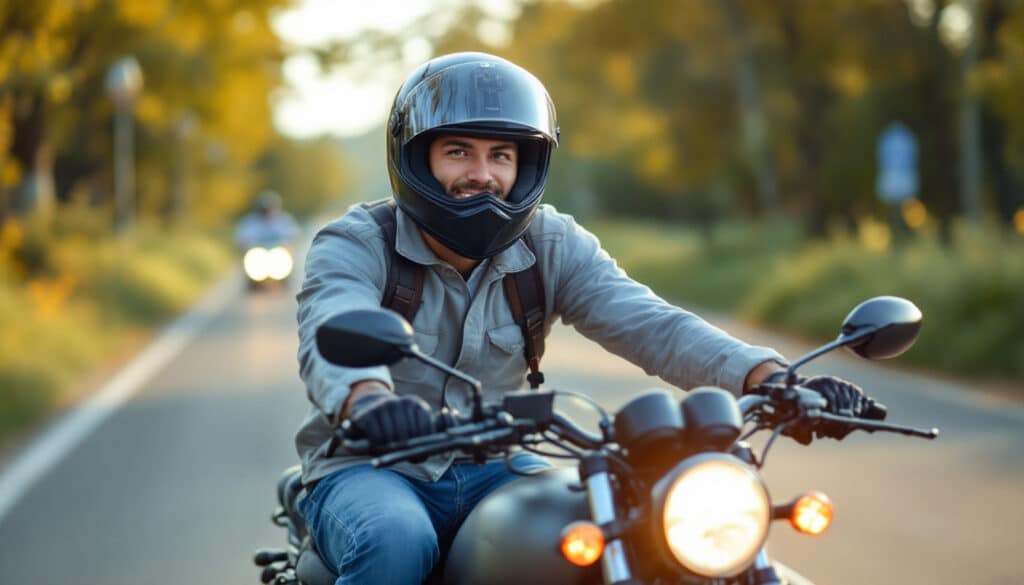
(667, 492)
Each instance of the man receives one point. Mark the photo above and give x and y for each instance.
(267, 224)
(468, 142)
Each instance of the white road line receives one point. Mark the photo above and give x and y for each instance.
(44, 452)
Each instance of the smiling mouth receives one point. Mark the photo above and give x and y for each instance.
(466, 189)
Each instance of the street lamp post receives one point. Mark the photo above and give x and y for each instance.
(124, 82)
(959, 30)
(184, 127)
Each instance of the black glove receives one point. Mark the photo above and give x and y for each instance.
(843, 398)
(385, 417)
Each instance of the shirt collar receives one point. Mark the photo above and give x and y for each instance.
(409, 243)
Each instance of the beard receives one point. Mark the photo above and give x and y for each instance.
(458, 189)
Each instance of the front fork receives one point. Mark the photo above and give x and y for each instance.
(762, 572)
(602, 510)
(601, 496)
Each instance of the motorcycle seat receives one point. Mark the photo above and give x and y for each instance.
(289, 492)
(310, 568)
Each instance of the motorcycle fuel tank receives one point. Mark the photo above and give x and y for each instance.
(512, 537)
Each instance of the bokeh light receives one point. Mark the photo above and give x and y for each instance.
(915, 215)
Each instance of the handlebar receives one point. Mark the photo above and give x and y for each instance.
(875, 411)
(454, 432)
(499, 429)
(806, 403)
(445, 425)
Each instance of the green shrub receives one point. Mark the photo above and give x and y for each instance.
(26, 394)
(970, 295)
(971, 292)
(88, 294)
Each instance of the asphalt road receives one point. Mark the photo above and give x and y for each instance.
(177, 485)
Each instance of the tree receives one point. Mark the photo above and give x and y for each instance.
(217, 61)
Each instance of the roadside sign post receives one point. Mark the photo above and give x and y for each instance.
(123, 84)
(897, 179)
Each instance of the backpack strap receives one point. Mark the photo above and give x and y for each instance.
(525, 293)
(524, 290)
(403, 291)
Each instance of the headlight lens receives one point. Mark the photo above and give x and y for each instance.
(261, 263)
(279, 263)
(255, 264)
(716, 515)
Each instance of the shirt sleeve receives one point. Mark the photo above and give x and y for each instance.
(345, 269)
(598, 298)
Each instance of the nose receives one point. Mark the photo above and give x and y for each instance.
(479, 170)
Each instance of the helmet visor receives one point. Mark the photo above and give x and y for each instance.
(502, 96)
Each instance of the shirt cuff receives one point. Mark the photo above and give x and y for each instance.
(739, 365)
(334, 389)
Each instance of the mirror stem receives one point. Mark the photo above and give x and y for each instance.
(839, 342)
(478, 409)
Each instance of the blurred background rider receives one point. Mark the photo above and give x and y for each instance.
(268, 224)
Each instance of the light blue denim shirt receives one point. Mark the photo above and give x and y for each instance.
(346, 269)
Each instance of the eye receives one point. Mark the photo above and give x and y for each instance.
(503, 155)
(456, 152)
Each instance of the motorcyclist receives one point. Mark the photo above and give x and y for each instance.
(469, 141)
(267, 224)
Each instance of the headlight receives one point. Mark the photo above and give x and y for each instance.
(279, 263)
(261, 263)
(715, 514)
(256, 264)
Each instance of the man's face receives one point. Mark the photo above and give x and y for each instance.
(467, 166)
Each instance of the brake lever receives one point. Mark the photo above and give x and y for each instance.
(872, 426)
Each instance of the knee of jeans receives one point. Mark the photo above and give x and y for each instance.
(529, 462)
(398, 534)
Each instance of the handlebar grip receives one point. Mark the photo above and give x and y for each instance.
(355, 442)
(875, 411)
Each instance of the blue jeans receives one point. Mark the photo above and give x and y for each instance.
(377, 526)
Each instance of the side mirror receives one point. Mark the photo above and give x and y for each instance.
(365, 337)
(881, 328)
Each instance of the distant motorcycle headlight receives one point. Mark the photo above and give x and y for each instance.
(279, 263)
(714, 514)
(256, 264)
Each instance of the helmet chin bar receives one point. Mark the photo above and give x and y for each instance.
(483, 232)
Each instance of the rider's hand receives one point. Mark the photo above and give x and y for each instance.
(385, 417)
(843, 398)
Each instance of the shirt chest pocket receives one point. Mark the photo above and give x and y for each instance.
(504, 364)
(507, 339)
(411, 370)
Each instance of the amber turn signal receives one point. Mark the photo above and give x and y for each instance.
(812, 513)
(582, 543)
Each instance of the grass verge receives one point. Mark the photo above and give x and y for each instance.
(85, 298)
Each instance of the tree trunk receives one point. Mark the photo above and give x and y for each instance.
(936, 113)
(751, 112)
(813, 98)
(1008, 192)
(34, 194)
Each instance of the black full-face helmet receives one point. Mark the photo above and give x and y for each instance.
(470, 94)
